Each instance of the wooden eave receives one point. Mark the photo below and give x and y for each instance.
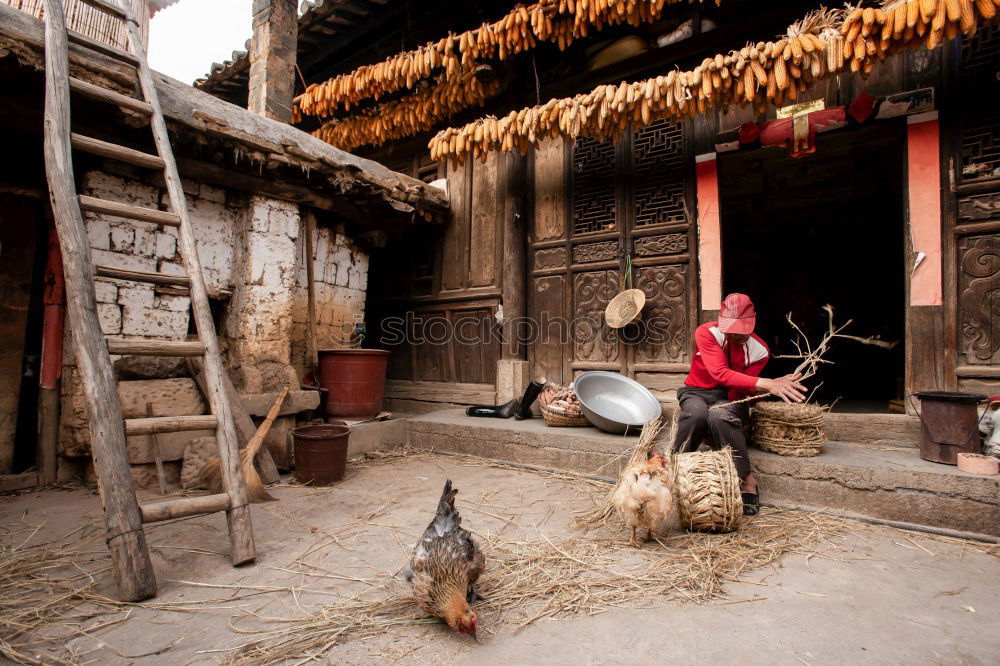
(360, 183)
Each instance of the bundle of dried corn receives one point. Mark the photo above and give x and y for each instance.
(557, 21)
(825, 42)
(415, 113)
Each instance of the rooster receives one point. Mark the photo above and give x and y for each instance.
(445, 566)
(644, 496)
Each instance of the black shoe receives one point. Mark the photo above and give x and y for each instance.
(504, 411)
(751, 504)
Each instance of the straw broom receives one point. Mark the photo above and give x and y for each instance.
(211, 473)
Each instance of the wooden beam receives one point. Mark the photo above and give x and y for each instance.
(514, 225)
(171, 348)
(184, 507)
(155, 424)
(441, 391)
(126, 540)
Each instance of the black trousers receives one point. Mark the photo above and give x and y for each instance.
(724, 425)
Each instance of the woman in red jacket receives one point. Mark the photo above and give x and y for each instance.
(728, 360)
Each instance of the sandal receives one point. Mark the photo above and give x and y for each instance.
(751, 503)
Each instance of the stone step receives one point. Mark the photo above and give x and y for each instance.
(888, 483)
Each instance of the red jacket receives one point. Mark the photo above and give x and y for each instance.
(717, 364)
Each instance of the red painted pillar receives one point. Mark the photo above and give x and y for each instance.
(54, 299)
(709, 232)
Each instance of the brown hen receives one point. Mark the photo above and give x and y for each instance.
(445, 566)
(644, 496)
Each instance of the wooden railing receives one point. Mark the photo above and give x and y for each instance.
(90, 21)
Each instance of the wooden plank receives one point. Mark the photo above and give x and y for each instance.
(18, 237)
(484, 233)
(114, 151)
(882, 429)
(983, 371)
(455, 392)
(548, 298)
(105, 207)
(173, 348)
(455, 265)
(110, 96)
(126, 540)
(550, 190)
(924, 344)
(149, 426)
(187, 506)
(11, 482)
(142, 276)
(107, 7)
(101, 47)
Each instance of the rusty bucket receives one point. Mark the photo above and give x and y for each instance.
(949, 425)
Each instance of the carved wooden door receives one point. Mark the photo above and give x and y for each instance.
(595, 204)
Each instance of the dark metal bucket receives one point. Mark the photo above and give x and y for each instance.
(950, 425)
(320, 453)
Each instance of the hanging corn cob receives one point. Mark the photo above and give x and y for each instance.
(825, 42)
(557, 21)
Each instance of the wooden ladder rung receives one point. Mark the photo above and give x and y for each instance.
(117, 12)
(116, 152)
(183, 507)
(110, 96)
(100, 47)
(157, 424)
(106, 207)
(155, 348)
(141, 276)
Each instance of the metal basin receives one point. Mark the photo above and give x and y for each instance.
(615, 403)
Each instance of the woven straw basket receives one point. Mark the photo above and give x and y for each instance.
(708, 491)
(624, 308)
(789, 429)
(558, 419)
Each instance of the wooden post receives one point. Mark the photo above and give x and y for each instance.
(53, 330)
(126, 540)
(310, 220)
(515, 223)
(241, 543)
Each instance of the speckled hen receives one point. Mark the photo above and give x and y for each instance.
(445, 566)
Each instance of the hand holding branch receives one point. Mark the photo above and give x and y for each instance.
(787, 388)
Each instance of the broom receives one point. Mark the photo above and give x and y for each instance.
(211, 473)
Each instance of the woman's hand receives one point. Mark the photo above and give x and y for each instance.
(787, 388)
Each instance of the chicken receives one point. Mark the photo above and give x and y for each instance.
(445, 566)
(644, 496)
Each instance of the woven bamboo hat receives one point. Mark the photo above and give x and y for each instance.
(624, 308)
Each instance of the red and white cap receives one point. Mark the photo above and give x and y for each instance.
(737, 315)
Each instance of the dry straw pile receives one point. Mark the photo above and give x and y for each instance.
(789, 429)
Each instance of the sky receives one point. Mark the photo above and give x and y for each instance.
(186, 38)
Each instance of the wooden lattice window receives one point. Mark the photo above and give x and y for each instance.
(659, 175)
(980, 126)
(594, 205)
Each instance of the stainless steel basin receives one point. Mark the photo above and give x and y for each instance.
(615, 403)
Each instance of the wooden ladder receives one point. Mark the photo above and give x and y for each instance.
(123, 514)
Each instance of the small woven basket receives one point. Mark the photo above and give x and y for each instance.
(556, 418)
(789, 429)
(708, 491)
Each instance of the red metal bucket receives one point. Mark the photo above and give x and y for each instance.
(949, 425)
(320, 453)
(354, 380)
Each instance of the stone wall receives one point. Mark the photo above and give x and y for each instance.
(252, 254)
(340, 273)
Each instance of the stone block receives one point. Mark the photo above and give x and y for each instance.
(110, 316)
(99, 233)
(106, 292)
(122, 239)
(375, 436)
(151, 322)
(145, 476)
(167, 397)
(197, 452)
(173, 303)
(513, 377)
(259, 404)
(213, 194)
(166, 246)
(126, 262)
(138, 296)
(149, 367)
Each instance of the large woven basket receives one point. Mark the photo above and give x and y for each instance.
(708, 491)
(789, 429)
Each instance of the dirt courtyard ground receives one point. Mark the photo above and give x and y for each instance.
(860, 594)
